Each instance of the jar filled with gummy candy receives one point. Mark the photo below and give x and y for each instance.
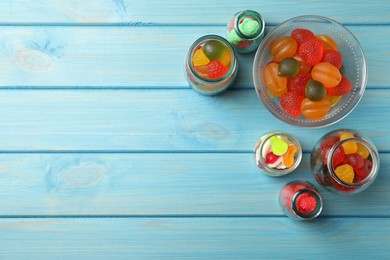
(211, 65)
(343, 161)
(277, 153)
(300, 200)
(245, 31)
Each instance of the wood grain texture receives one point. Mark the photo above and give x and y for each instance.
(185, 12)
(163, 184)
(199, 238)
(159, 120)
(134, 57)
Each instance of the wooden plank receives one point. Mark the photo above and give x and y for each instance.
(133, 57)
(163, 184)
(195, 238)
(174, 11)
(159, 120)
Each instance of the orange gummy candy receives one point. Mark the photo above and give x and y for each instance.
(329, 43)
(315, 110)
(288, 157)
(276, 85)
(327, 74)
(283, 47)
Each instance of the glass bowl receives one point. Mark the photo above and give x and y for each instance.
(354, 63)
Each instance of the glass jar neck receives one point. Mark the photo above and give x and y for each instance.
(373, 154)
(313, 213)
(254, 16)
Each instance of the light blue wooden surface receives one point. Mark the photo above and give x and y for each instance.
(106, 152)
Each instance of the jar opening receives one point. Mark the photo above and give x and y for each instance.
(251, 15)
(357, 180)
(200, 42)
(307, 204)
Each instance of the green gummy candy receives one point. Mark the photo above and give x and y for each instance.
(233, 38)
(249, 27)
(278, 146)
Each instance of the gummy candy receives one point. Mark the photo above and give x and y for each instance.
(315, 110)
(345, 173)
(291, 103)
(333, 57)
(298, 84)
(311, 51)
(364, 171)
(288, 157)
(248, 27)
(289, 67)
(306, 203)
(334, 100)
(362, 151)
(329, 43)
(278, 146)
(200, 58)
(216, 70)
(355, 160)
(214, 49)
(348, 146)
(276, 85)
(342, 88)
(283, 47)
(226, 58)
(314, 90)
(327, 74)
(304, 68)
(301, 35)
(271, 158)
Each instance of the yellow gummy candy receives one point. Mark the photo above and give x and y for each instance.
(334, 100)
(362, 150)
(345, 173)
(200, 58)
(226, 58)
(349, 146)
(288, 157)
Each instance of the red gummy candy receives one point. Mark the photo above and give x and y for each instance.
(363, 172)
(333, 57)
(245, 43)
(302, 35)
(271, 158)
(355, 160)
(306, 203)
(291, 103)
(298, 84)
(311, 51)
(327, 144)
(216, 70)
(342, 88)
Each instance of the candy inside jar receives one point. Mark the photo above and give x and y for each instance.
(343, 161)
(300, 200)
(277, 153)
(211, 65)
(245, 31)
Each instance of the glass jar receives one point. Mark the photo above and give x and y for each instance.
(211, 65)
(300, 200)
(245, 31)
(345, 162)
(277, 153)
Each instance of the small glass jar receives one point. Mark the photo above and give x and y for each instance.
(245, 31)
(211, 65)
(277, 153)
(300, 200)
(345, 162)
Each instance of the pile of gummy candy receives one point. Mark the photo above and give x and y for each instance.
(306, 72)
